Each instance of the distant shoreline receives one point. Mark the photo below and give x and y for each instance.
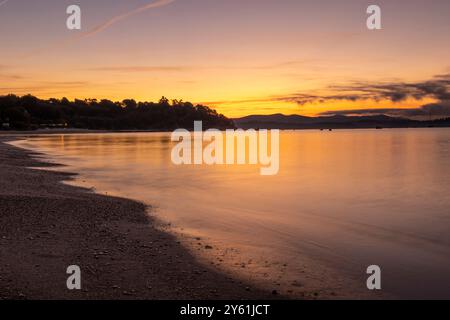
(297, 122)
(5, 133)
(46, 226)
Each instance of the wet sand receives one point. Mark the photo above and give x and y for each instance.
(46, 225)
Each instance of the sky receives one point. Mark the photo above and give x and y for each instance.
(241, 57)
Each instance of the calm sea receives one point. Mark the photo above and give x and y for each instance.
(342, 201)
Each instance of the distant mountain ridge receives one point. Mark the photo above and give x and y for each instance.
(280, 121)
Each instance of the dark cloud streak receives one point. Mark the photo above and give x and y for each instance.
(437, 88)
(433, 110)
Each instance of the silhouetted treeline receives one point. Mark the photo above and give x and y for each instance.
(28, 112)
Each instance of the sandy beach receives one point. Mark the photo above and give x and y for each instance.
(45, 226)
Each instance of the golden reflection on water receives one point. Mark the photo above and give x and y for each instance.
(346, 198)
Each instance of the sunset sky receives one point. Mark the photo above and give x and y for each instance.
(239, 56)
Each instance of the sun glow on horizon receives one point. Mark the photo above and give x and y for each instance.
(239, 62)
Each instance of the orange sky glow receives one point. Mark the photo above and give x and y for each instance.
(239, 57)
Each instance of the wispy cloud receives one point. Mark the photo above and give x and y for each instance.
(126, 15)
(3, 2)
(181, 68)
(437, 88)
(11, 77)
(232, 102)
(142, 69)
(101, 27)
(280, 65)
(7, 74)
(45, 87)
(435, 110)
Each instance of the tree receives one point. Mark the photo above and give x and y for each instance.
(28, 111)
(130, 104)
(164, 101)
(18, 117)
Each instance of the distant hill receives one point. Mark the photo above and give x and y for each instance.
(280, 121)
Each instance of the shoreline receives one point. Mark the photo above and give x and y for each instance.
(46, 225)
(15, 133)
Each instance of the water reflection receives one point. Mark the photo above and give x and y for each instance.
(345, 199)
